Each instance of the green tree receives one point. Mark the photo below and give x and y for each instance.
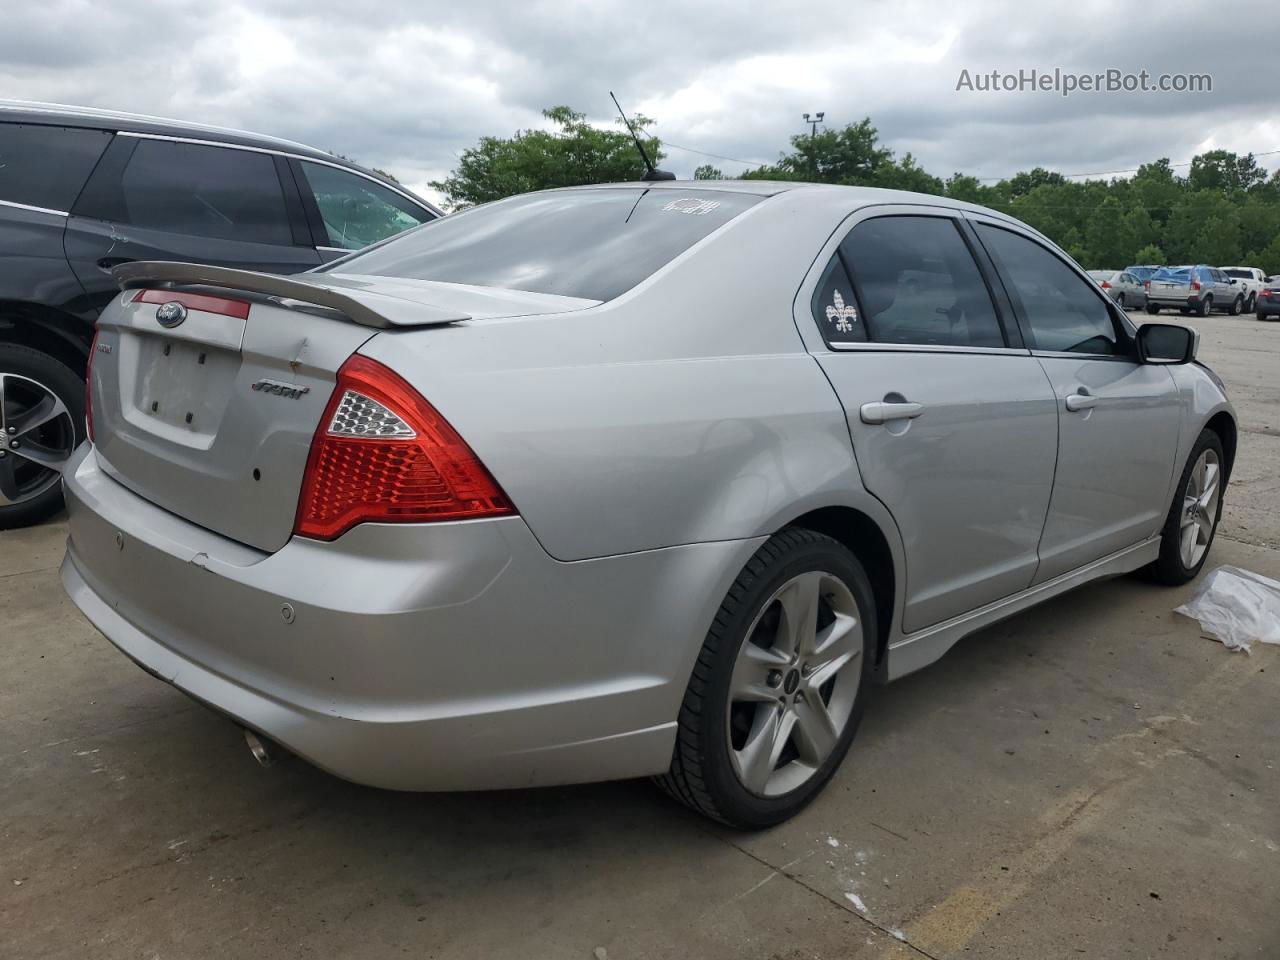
(1225, 171)
(1148, 254)
(906, 174)
(574, 153)
(707, 172)
(850, 155)
(1204, 228)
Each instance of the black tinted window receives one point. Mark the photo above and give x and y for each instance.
(917, 283)
(835, 308)
(357, 211)
(204, 191)
(46, 166)
(1063, 311)
(581, 243)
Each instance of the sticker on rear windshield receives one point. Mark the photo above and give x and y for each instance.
(691, 205)
(843, 315)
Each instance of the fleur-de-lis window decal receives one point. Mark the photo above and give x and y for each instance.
(841, 314)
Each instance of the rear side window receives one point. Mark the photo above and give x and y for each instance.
(195, 190)
(356, 211)
(44, 166)
(835, 307)
(917, 283)
(1063, 311)
(594, 244)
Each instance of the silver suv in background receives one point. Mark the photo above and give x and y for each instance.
(1121, 286)
(1194, 289)
(1251, 281)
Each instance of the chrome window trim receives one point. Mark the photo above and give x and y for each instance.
(1068, 355)
(26, 206)
(926, 348)
(417, 202)
(320, 246)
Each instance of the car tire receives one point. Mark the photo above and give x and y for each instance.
(36, 381)
(1177, 564)
(1204, 306)
(714, 761)
(1120, 300)
(1153, 308)
(1236, 305)
(1261, 316)
(1251, 303)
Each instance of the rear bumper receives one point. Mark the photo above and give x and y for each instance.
(437, 657)
(1268, 307)
(1156, 299)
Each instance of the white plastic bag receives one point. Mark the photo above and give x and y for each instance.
(1237, 607)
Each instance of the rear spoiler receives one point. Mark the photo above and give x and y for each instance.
(345, 300)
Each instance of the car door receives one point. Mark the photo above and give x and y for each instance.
(1224, 289)
(153, 198)
(348, 210)
(953, 425)
(1118, 418)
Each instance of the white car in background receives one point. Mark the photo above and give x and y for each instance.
(1251, 280)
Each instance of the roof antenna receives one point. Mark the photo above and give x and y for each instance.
(651, 172)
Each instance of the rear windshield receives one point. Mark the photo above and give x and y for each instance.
(1142, 273)
(1177, 274)
(1243, 274)
(594, 244)
(1102, 274)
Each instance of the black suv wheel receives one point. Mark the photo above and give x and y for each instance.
(41, 422)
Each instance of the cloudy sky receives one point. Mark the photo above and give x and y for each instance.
(406, 84)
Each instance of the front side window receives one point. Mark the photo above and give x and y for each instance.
(594, 244)
(357, 211)
(917, 283)
(1063, 312)
(203, 191)
(45, 166)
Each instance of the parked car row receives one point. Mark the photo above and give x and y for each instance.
(83, 191)
(1195, 289)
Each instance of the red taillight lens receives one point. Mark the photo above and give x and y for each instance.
(1147, 284)
(88, 387)
(1265, 293)
(1106, 285)
(1195, 284)
(382, 454)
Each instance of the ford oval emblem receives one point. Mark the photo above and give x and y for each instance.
(170, 314)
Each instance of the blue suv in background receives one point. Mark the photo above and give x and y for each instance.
(82, 191)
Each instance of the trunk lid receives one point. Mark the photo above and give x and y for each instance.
(212, 418)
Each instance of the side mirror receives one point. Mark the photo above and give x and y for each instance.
(1167, 343)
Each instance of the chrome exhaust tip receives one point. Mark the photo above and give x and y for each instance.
(258, 747)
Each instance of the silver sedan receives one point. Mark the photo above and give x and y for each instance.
(620, 481)
(1124, 288)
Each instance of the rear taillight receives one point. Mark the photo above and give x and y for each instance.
(88, 387)
(1265, 293)
(1147, 284)
(1106, 285)
(382, 454)
(1195, 285)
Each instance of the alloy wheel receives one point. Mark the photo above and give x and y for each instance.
(1199, 508)
(794, 683)
(37, 436)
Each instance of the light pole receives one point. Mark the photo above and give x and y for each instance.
(813, 122)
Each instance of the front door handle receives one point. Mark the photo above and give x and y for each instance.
(1080, 401)
(882, 412)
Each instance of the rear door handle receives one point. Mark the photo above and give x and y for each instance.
(1080, 401)
(882, 412)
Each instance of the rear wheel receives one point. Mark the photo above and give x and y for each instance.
(1192, 522)
(41, 422)
(1251, 303)
(1204, 306)
(1120, 301)
(778, 688)
(1236, 305)
(1153, 308)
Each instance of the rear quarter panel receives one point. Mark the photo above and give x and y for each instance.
(684, 411)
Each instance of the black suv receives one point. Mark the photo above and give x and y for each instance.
(84, 190)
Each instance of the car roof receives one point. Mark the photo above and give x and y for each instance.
(22, 111)
(847, 197)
